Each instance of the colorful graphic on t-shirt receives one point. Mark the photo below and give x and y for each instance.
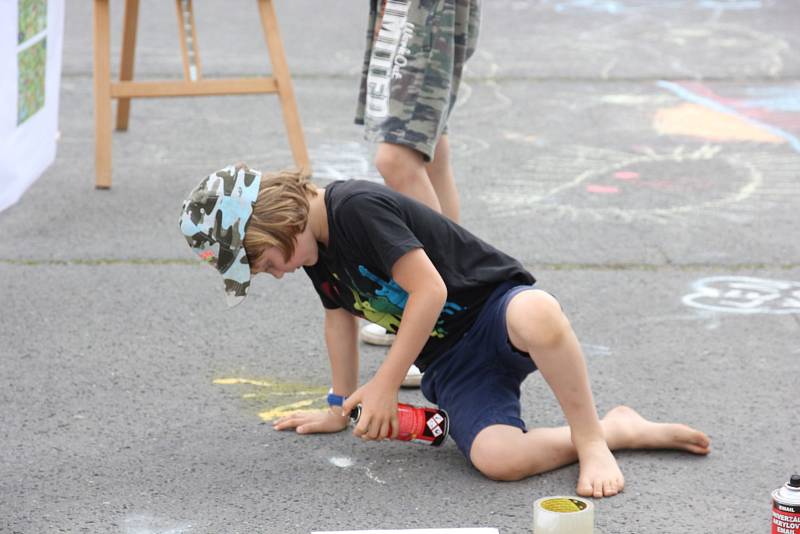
(384, 306)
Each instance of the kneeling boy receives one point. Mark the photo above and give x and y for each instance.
(464, 312)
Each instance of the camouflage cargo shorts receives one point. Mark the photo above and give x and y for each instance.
(412, 69)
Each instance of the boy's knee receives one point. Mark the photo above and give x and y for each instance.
(498, 469)
(398, 164)
(535, 319)
(496, 459)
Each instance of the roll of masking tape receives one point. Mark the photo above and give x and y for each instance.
(563, 515)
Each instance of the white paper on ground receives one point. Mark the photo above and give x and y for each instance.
(416, 531)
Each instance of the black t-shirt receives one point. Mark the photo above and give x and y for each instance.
(370, 227)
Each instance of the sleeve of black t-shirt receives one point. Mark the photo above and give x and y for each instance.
(327, 303)
(375, 227)
(321, 283)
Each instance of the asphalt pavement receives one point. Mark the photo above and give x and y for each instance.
(641, 158)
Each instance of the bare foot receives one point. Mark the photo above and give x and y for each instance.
(599, 473)
(626, 429)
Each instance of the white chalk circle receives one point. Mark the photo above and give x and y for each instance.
(744, 294)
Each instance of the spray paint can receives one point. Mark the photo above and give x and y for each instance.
(416, 423)
(786, 507)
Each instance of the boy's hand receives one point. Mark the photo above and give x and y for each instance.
(311, 422)
(378, 410)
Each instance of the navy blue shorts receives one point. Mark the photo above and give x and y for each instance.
(477, 381)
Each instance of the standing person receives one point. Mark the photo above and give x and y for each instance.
(414, 60)
(467, 313)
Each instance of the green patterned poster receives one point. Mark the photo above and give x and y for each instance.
(32, 18)
(31, 63)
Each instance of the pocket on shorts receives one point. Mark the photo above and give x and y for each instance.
(397, 61)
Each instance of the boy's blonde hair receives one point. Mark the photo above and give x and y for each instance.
(280, 213)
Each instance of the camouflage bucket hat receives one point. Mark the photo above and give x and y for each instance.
(214, 219)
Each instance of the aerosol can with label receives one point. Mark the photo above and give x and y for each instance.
(786, 507)
(424, 425)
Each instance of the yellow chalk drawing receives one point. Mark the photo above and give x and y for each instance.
(698, 121)
(228, 381)
(295, 407)
(271, 396)
(522, 138)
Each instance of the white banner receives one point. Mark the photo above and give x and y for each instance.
(31, 38)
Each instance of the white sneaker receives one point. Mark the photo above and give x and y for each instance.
(375, 334)
(413, 378)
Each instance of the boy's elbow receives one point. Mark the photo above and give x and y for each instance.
(439, 292)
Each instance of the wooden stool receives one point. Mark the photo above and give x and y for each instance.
(192, 85)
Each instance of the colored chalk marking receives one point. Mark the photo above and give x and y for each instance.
(626, 175)
(710, 103)
(602, 189)
(696, 121)
(271, 396)
(579, 196)
(286, 409)
(229, 381)
(698, 182)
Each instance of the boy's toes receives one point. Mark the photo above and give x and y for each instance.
(585, 488)
(610, 488)
(600, 488)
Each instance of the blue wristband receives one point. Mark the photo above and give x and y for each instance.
(334, 399)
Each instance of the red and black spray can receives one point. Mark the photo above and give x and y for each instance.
(419, 424)
(786, 507)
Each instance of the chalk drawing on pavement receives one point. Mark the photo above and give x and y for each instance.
(343, 161)
(693, 120)
(757, 53)
(681, 51)
(486, 67)
(627, 186)
(464, 146)
(614, 7)
(353, 160)
(527, 139)
(765, 116)
(341, 461)
(274, 399)
(344, 462)
(744, 295)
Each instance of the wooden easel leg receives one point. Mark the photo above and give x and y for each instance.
(130, 23)
(102, 95)
(194, 51)
(280, 71)
(182, 37)
(188, 37)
